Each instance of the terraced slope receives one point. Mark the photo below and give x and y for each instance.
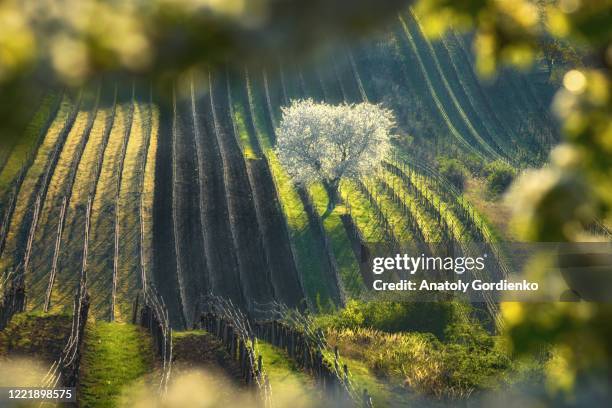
(223, 229)
(94, 152)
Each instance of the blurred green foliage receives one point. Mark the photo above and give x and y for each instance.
(559, 201)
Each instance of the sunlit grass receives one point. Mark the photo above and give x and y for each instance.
(59, 179)
(46, 233)
(243, 134)
(36, 334)
(397, 220)
(362, 212)
(385, 363)
(115, 355)
(427, 224)
(382, 393)
(427, 188)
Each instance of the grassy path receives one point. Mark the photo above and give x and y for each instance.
(114, 357)
(290, 385)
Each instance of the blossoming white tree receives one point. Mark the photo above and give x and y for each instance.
(326, 143)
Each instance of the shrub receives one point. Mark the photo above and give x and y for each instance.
(499, 176)
(463, 360)
(424, 364)
(412, 360)
(473, 163)
(453, 170)
(394, 317)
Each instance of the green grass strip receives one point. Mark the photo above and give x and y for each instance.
(291, 386)
(348, 268)
(243, 134)
(114, 357)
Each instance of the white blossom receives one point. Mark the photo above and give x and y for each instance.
(323, 142)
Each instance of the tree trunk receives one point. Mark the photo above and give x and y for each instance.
(331, 187)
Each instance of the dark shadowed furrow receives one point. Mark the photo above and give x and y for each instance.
(224, 277)
(164, 256)
(254, 270)
(16, 176)
(283, 270)
(186, 196)
(334, 92)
